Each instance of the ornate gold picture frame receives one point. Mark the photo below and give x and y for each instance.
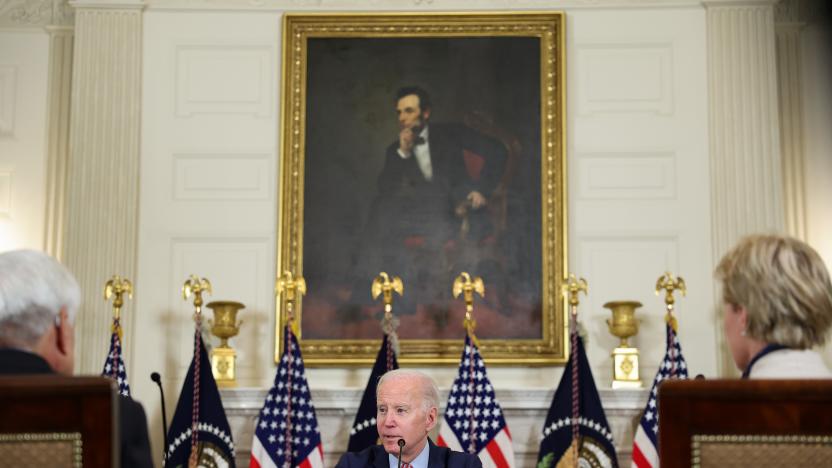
(488, 93)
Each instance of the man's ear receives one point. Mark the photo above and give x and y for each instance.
(63, 338)
(425, 114)
(431, 419)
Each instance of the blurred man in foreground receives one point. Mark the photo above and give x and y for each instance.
(39, 298)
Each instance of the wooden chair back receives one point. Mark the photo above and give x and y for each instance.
(759, 423)
(48, 420)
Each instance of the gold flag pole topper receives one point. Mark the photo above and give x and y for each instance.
(384, 286)
(290, 289)
(116, 288)
(467, 286)
(572, 287)
(196, 286)
(670, 283)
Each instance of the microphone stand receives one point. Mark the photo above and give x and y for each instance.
(158, 379)
(401, 446)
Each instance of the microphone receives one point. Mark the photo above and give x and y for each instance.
(154, 376)
(401, 446)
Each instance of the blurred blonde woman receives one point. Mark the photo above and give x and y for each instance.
(777, 306)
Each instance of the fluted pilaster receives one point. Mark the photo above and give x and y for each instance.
(103, 170)
(57, 135)
(745, 151)
(789, 84)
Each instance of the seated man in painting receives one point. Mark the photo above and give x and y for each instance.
(434, 186)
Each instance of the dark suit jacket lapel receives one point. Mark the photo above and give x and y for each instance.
(435, 459)
(381, 458)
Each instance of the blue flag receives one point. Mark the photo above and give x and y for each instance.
(114, 364)
(199, 420)
(594, 439)
(364, 432)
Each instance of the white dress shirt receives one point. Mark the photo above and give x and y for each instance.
(422, 153)
(421, 460)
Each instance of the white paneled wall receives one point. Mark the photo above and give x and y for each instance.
(24, 59)
(208, 187)
(638, 174)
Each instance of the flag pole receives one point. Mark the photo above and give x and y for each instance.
(467, 286)
(572, 287)
(116, 287)
(196, 286)
(384, 285)
(290, 288)
(669, 283)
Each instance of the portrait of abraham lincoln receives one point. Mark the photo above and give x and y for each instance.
(422, 159)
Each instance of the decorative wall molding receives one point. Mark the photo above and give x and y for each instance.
(622, 77)
(35, 13)
(103, 171)
(525, 412)
(230, 263)
(616, 176)
(224, 79)
(377, 5)
(226, 176)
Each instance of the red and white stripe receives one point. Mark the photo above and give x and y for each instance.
(261, 459)
(498, 453)
(644, 452)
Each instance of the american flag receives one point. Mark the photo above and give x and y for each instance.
(287, 432)
(114, 364)
(645, 442)
(473, 420)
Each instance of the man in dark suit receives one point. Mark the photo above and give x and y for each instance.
(436, 178)
(407, 406)
(39, 298)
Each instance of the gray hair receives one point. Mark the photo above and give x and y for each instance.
(34, 288)
(430, 394)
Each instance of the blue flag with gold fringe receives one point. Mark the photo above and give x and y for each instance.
(199, 427)
(577, 429)
(364, 432)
